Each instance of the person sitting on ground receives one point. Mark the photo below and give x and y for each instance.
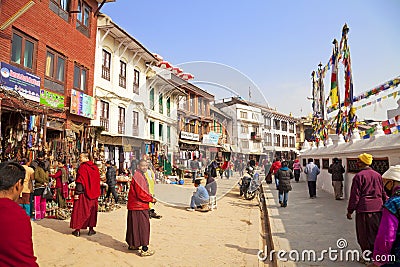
(211, 185)
(387, 240)
(200, 197)
(16, 246)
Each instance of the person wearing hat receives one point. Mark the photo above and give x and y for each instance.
(366, 199)
(387, 240)
(337, 170)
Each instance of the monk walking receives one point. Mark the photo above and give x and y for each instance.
(138, 222)
(87, 191)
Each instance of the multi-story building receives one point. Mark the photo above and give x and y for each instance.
(259, 131)
(279, 134)
(247, 122)
(193, 120)
(46, 52)
(122, 93)
(162, 109)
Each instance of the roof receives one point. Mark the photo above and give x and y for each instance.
(105, 23)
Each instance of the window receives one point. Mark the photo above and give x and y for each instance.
(152, 136)
(182, 102)
(285, 141)
(121, 120)
(243, 115)
(122, 74)
(291, 127)
(200, 107)
(151, 98)
(55, 71)
(104, 114)
(60, 7)
(284, 126)
(256, 145)
(83, 18)
(268, 123)
(245, 144)
(161, 132)
(244, 129)
(136, 74)
(160, 104)
(192, 102)
(268, 139)
(254, 116)
(169, 134)
(292, 142)
(135, 123)
(105, 67)
(205, 105)
(23, 50)
(169, 107)
(80, 77)
(277, 124)
(277, 141)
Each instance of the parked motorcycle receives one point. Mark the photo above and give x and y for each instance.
(250, 184)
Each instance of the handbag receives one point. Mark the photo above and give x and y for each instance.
(47, 194)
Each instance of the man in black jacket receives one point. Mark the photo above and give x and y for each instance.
(111, 180)
(337, 170)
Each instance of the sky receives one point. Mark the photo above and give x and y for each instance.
(268, 47)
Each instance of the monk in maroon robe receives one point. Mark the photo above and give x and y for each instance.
(87, 191)
(16, 247)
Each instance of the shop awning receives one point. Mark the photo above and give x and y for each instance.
(118, 140)
(189, 145)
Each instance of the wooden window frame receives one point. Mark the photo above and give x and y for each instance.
(80, 18)
(121, 120)
(135, 123)
(136, 81)
(122, 74)
(24, 38)
(106, 65)
(81, 68)
(104, 114)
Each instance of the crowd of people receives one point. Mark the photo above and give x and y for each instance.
(375, 200)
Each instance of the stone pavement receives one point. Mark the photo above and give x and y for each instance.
(227, 236)
(179, 195)
(311, 224)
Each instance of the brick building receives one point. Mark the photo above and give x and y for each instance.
(47, 51)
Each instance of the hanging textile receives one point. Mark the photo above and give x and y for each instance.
(334, 93)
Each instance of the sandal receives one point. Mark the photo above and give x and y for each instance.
(146, 253)
(133, 248)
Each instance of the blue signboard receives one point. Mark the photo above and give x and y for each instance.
(25, 83)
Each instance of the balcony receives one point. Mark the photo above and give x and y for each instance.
(135, 130)
(105, 73)
(104, 122)
(255, 137)
(121, 127)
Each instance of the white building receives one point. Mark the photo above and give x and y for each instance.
(120, 86)
(163, 95)
(259, 130)
(247, 122)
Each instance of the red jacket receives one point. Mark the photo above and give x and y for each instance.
(276, 166)
(139, 196)
(89, 176)
(16, 247)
